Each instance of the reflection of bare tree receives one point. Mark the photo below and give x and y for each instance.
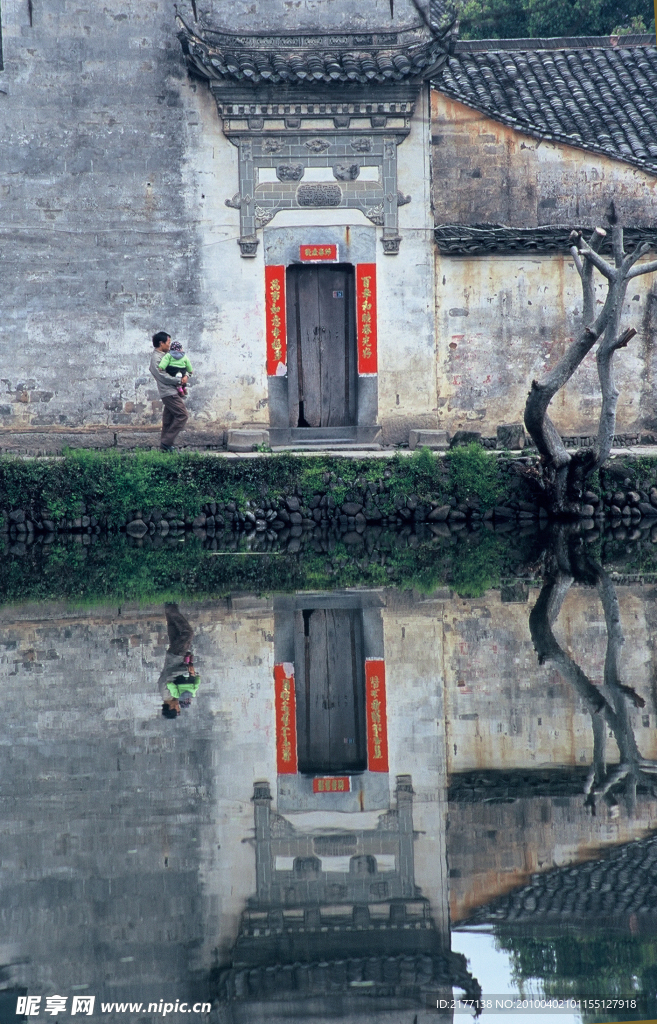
(567, 561)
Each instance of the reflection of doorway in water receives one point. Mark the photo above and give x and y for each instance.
(330, 690)
(321, 323)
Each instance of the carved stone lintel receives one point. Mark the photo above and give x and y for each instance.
(248, 247)
(346, 172)
(391, 245)
(292, 156)
(289, 172)
(319, 195)
(375, 214)
(263, 216)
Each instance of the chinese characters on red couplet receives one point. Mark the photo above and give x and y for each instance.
(366, 317)
(286, 719)
(275, 320)
(375, 709)
(316, 253)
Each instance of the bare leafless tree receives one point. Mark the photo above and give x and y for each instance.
(562, 475)
(608, 704)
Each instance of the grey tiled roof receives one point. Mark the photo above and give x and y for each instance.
(587, 93)
(329, 59)
(482, 239)
(622, 882)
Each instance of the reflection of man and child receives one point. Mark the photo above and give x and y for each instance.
(178, 680)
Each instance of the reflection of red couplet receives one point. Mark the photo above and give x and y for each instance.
(366, 317)
(375, 709)
(275, 320)
(286, 720)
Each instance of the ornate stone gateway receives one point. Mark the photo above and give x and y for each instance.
(317, 117)
(317, 102)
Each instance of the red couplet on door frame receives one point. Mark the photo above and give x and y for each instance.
(286, 719)
(375, 710)
(366, 317)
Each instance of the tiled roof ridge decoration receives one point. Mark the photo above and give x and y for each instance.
(555, 43)
(482, 239)
(620, 882)
(600, 98)
(328, 58)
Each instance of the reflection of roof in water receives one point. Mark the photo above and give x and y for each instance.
(622, 882)
(503, 786)
(402, 981)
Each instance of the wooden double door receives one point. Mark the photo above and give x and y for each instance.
(330, 691)
(321, 325)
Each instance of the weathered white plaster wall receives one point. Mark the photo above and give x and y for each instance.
(486, 172)
(506, 711)
(504, 320)
(407, 367)
(232, 380)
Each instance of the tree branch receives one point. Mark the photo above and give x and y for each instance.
(643, 268)
(610, 395)
(632, 257)
(605, 268)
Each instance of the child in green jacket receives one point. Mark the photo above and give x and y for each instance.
(177, 364)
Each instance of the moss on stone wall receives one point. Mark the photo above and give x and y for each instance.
(114, 486)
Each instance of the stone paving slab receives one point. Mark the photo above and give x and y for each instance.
(355, 452)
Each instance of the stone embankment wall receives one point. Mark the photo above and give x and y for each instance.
(626, 495)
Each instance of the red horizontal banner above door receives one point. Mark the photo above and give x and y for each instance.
(375, 710)
(366, 317)
(286, 719)
(318, 253)
(275, 321)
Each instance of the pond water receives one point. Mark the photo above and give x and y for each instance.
(353, 803)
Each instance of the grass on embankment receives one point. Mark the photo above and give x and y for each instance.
(112, 486)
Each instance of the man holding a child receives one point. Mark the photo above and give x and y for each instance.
(171, 370)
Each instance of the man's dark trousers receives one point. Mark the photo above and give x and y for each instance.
(174, 418)
(179, 630)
